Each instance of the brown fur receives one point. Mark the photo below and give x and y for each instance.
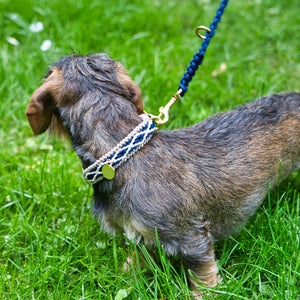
(193, 185)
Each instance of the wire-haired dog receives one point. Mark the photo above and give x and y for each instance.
(193, 185)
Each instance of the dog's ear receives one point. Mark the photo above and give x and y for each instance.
(132, 89)
(136, 95)
(39, 110)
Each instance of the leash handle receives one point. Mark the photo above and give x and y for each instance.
(199, 56)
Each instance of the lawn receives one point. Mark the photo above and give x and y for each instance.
(50, 245)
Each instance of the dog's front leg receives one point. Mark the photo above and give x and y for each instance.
(137, 260)
(206, 273)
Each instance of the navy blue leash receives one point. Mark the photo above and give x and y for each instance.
(193, 66)
(199, 56)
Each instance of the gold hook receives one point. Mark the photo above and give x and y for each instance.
(202, 28)
(164, 111)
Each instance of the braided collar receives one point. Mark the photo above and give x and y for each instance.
(105, 166)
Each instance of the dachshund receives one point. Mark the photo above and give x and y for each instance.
(190, 186)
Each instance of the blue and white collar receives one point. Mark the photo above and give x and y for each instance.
(105, 166)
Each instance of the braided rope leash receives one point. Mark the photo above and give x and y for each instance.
(194, 64)
(199, 56)
(105, 166)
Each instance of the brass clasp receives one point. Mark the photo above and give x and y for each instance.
(164, 110)
(203, 37)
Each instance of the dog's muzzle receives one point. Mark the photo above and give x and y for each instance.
(105, 166)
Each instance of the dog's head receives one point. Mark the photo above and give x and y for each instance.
(73, 79)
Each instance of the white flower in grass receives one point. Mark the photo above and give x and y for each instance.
(46, 45)
(13, 16)
(12, 41)
(222, 69)
(36, 27)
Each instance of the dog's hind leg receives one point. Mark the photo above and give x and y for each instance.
(205, 273)
(200, 265)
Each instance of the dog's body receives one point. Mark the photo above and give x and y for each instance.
(194, 185)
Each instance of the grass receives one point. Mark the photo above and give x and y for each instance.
(50, 246)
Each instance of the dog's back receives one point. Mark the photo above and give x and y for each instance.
(218, 170)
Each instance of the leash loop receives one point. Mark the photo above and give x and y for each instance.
(202, 37)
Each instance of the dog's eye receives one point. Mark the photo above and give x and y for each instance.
(48, 74)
